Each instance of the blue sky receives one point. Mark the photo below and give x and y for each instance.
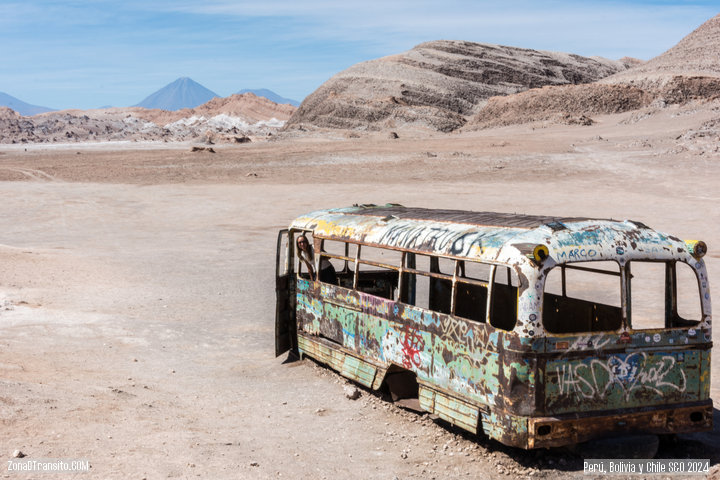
(85, 54)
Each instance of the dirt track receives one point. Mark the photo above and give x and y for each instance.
(137, 295)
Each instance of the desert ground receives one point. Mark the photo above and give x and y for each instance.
(137, 291)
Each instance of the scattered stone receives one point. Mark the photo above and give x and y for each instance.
(203, 149)
(18, 454)
(568, 119)
(319, 410)
(251, 174)
(243, 139)
(351, 392)
(393, 135)
(254, 464)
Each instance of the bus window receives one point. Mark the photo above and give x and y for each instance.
(427, 282)
(471, 290)
(304, 262)
(647, 294)
(688, 295)
(418, 282)
(503, 304)
(663, 295)
(440, 284)
(342, 257)
(583, 297)
(378, 271)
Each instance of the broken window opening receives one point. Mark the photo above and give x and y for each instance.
(583, 297)
(471, 290)
(378, 271)
(503, 297)
(663, 295)
(342, 257)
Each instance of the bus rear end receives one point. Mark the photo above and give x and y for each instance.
(627, 350)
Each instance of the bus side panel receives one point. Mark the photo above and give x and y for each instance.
(459, 357)
(611, 381)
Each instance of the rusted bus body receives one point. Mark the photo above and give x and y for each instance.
(525, 366)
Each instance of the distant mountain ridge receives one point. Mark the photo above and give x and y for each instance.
(270, 95)
(182, 93)
(233, 119)
(21, 107)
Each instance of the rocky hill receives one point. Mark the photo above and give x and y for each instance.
(689, 71)
(270, 95)
(220, 120)
(696, 55)
(438, 85)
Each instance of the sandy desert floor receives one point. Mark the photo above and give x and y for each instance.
(137, 294)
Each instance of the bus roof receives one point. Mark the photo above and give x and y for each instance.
(499, 237)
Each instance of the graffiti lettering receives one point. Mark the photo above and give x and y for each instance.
(440, 238)
(412, 345)
(576, 253)
(462, 332)
(632, 372)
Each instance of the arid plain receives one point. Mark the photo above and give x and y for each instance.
(137, 290)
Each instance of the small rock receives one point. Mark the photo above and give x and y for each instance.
(319, 410)
(351, 392)
(202, 149)
(18, 454)
(393, 135)
(251, 174)
(254, 464)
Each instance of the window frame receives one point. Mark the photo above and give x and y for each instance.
(625, 274)
(405, 255)
(670, 301)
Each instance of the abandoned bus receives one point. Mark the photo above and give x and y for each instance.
(538, 331)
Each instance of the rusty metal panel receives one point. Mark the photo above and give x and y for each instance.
(557, 431)
(466, 368)
(379, 377)
(347, 365)
(451, 409)
(507, 428)
(461, 216)
(315, 350)
(622, 380)
(356, 369)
